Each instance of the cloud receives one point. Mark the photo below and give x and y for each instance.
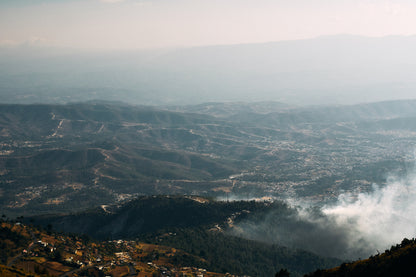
(32, 41)
(38, 41)
(8, 43)
(380, 218)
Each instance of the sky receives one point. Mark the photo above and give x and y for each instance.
(146, 24)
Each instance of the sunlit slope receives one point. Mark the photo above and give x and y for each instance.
(46, 253)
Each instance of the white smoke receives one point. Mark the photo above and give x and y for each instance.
(356, 226)
(380, 218)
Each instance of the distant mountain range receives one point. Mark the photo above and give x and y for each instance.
(341, 69)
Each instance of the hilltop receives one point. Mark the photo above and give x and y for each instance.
(396, 261)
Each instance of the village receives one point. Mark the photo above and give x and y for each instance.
(53, 254)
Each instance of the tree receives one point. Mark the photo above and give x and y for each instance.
(282, 273)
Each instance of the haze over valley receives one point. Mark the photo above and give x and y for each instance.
(341, 69)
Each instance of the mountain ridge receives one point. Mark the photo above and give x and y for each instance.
(326, 70)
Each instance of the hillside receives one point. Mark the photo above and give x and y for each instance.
(35, 252)
(397, 261)
(196, 225)
(6, 271)
(150, 214)
(78, 156)
(57, 254)
(57, 155)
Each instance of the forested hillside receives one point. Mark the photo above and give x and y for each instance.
(196, 225)
(399, 260)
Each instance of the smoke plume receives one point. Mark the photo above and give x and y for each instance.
(358, 225)
(378, 219)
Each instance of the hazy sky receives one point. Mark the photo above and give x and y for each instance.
(166, 23)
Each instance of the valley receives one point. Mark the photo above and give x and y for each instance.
(77, 156)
